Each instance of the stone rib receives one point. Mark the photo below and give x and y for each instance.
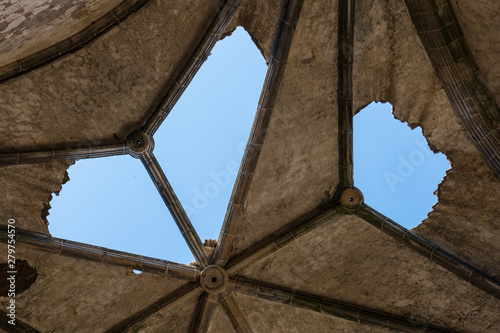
(335, 308)
(101, 255)
(456, 69)
(72, 43)
(76, 153)
(172, 202)
(345, 92)
(437, 255)
(279, 55)
(199, 56)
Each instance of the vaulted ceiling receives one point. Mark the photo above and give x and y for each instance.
(299, 249)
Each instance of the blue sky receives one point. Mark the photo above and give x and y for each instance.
(112, 202)
(394, 167)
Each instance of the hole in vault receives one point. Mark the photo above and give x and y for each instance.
(200, 145)
(394, 166)
(112, 202)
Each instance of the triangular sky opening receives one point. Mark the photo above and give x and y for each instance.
(112, 202)
(201, 143)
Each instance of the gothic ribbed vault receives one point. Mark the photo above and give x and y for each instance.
(299, 249)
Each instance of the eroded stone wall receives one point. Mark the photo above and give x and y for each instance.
(27, 27)
(390, 64)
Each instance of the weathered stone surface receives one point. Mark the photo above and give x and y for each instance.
(86, 296)
(27, 193)
(284, 164)
(350, 260)
(220, 322)
(483, 39)
(266, 316)
(259, 18)
(179, 319)
(27, 27)
(80, 98)
(25, 276)
(391, 65)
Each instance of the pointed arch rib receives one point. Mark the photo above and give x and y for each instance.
(339, 309)
(456, 68)
(72, 43)
(75, 153)
(166, 303)
(288, 235)
(238, 320)
(277, 64)
(199, 56)
(444, 259)
(208, 302)
(101, 255)
(174, 206)
(345, 92)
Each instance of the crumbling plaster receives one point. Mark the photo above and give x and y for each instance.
(258, 17)
(390, 64)
(29, 26)
(29, 189)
